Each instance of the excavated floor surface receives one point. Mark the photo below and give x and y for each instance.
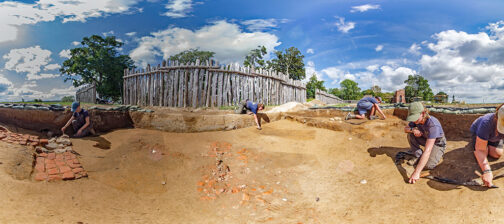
(290, 172)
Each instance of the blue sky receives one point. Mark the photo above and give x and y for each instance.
(456, 45)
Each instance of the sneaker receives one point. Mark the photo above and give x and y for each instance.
(348, 116)
(373, 117)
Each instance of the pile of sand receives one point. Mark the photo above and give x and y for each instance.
(315, 103)
(288, 107)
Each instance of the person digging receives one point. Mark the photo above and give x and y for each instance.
(367, 104)
(423, 130)
(80, 122)
(487, 132)
(249, 107)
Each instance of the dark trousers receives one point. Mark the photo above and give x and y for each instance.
(242, 109)
(77, 124)
(437, 152)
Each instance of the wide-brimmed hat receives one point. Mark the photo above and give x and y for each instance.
(500, 120)
(414, 111)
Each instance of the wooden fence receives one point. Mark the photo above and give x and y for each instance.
(207, 84)
(86, 94)
(327, 98)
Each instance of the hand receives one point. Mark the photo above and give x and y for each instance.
(259, 128)
(417, 133)
(63, 130)
(384, 117)
(487, 179)
(414, 177)
(79, 133)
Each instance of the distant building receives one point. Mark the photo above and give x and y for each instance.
(399, 96)
(441, 98)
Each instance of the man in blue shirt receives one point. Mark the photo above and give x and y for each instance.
(487, 132)
(249, 107)
(80, 122)
(367, 104)
(424, 130)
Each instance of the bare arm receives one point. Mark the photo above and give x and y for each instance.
(481, 153)
(257, 121)
(423, 160)
(380, 111)
(67, 124)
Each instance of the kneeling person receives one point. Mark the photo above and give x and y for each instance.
(367, 104)
(250, 107)
(80, 121)
(424, 130)
(487, 132)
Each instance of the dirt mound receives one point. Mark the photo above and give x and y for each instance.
(315, 103)
(288, 107)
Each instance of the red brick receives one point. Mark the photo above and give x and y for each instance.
(41, 176)
(43, 141)
(74, 165)
(60, 163)
(40, 167)
(73, 156)
(51, 155)
(64, 169)
(75, 161)
(49, 161)
(53, 171)
(59, 156)
(77, 170)
(40, 160)
(43, 154)
(68, 175)
(67, 153)
(34, 143)
(83, 173)
(50, 165)
(55, 177)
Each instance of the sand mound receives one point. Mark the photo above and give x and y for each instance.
(288, 107)
(314, 103)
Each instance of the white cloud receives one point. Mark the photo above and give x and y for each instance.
(109, 33)
(130, 34)
(262, 24)
(344, 26)
(65, 53)
(372, 68)
(28, 60)
(5, 84)
(15, 14)
(379, 48)
(310, 70)
(41, 76)
(310, 51)
(415, 49)
(227, 40)
(75, 43)
(178, 8)
(363, 8)
(52, 67)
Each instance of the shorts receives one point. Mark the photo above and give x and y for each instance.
(472, 143)
(363, 107)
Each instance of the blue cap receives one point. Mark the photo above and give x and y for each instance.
(75, 105)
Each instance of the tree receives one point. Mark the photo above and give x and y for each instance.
(336, 92)
(313, 85)
(418, 86)
(98, 62)
(376, 89)
(255, 58)
(289, 63)
(191, 55)
(442, 93)
(368, 92)
(68, 99)
(350, 90)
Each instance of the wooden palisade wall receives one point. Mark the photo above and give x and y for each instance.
(86, 94)
(327, 98)
(207, 84)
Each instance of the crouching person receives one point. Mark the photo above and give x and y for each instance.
(487, 131)
(80, 122)
(367, 104)
(424, 130)
(249, 107)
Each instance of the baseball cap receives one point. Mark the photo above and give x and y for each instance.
(75, 105)
(415, 109)
(500, 120)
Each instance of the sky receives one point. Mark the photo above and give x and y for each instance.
(457, 45)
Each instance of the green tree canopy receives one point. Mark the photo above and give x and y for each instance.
(418, 86)
(255, 58)
(68, 99)
(350, 90)
(376, 89)
(98, 61)
(368, 92)
(191, 55)
(289, 62)
(313, 85)
(442, 93)
(335, 91)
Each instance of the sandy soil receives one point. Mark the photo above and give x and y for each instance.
(286, 173)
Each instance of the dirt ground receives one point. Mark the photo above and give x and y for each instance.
(286, 173)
